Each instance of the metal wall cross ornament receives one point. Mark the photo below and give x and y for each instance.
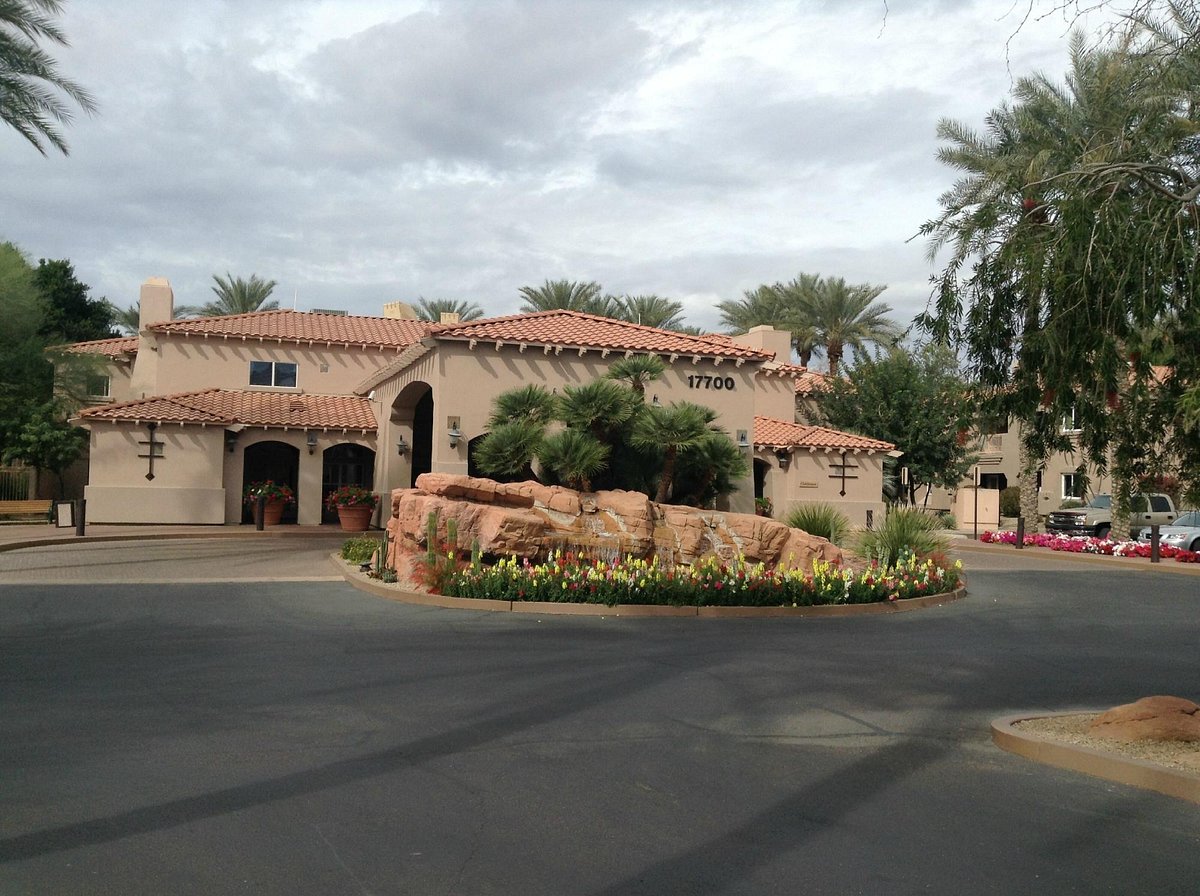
(153, 450)
(839, 472)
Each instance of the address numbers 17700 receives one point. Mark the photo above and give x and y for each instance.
(708, 381)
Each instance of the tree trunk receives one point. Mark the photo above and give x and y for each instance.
(834, 351)
(668, 473)
(1029, 490)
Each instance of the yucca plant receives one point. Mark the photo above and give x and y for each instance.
(820, 519)
(905, 530)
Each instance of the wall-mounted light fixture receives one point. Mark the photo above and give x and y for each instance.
(656, 402)
(455, 434)
(231, 436)
(743, 439)
(311, 441)
(784, 458)
(402, 446)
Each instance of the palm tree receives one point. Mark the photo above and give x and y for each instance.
(507, 451)
(637, 371)
(712, 469)
(677, 429)
(433, 309)
(847, 316)
(786, 306)
(532, 404)
(651, 311)
(574, 457)
(238, 296)
(570, 295)
(602, 408)
(29, 76)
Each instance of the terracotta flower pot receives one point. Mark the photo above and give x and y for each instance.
(354, 519)
(273, 513)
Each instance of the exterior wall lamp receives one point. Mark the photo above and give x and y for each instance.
(311, 441)
(402, 446)
(455, 435)
(743, 439)
(784, 458)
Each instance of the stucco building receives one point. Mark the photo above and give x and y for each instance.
(193, 410)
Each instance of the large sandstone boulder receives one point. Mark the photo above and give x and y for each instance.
(528, 519)
(1151, 718)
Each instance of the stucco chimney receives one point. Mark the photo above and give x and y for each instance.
(157, 302)
(399, 310)
(768, 339)
(449, 317)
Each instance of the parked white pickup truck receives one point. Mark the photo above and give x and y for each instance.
(1095, 518)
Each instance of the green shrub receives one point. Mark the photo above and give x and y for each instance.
(822, 520)
(946, 520)
(1069, 503)
(1010, 501)
(905, 530)
(360, 550)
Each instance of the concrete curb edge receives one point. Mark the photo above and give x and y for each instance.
(1122, 770)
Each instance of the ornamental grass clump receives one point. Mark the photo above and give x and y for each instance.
(820, 519)
(567, 577)
(905, 530)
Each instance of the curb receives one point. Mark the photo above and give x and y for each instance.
(1122, 770)
(1136, 564)
(364, 583)
(273, 532)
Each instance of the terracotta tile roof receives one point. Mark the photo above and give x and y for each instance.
(810, 381)
(112, 348)
(772, 433)
(302, 326)
(224, 407)
(574, 329)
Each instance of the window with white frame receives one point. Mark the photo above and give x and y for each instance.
(99, 386)
(273, 373)
(1070, 421)
(1072, 486)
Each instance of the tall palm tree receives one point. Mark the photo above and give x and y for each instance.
(433, 309)
(786, 306)
(847, 316)
(571, 295)
(677, 429)
(637, 371)
(29, 76)
(238, 296)
(651, 311)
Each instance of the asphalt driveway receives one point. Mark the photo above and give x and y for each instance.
(304, 738)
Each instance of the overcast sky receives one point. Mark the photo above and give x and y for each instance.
(364, 152)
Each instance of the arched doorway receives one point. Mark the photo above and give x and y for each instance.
(413, 411)
(761, 467)
(472, 464)
(276, 461)
(344, 464)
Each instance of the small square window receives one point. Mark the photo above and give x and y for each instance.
(99, 386)
(1072, 486)
(273, 373)
(1070, 421)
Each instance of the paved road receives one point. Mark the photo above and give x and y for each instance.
(304, 738)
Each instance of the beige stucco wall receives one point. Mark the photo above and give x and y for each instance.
(810, 478)
(466, 381)
(185, 365)
(187, 485)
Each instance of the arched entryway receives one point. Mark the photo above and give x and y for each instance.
(412, 414)
(472, 464)
(274, 461)
(345, 465)
(761, 468)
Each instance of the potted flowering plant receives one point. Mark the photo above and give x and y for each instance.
(277, 494)
(763, 507)
(354, 505)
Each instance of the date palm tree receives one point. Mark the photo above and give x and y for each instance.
(651, 311)
(847, 316)
(238, 296)
(785, 306)
(433, 309)
(569, 295)
(29, 76)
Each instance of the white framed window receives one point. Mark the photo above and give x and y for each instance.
(273, 373)
(1072, 486)
(99, 386)
(1070, 421)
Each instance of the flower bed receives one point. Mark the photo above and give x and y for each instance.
(1081, 544)
(568, 578)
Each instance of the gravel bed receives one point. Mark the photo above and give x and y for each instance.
(1073, 729)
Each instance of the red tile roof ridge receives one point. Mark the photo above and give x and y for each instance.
(114, 345)
(722, 347)
(256, 408)
(775, 433)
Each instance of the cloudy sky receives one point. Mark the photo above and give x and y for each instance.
(360, 152)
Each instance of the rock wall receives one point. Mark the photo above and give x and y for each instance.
(528, 519)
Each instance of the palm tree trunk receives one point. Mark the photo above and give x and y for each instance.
(668, 473)
(834, 351)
